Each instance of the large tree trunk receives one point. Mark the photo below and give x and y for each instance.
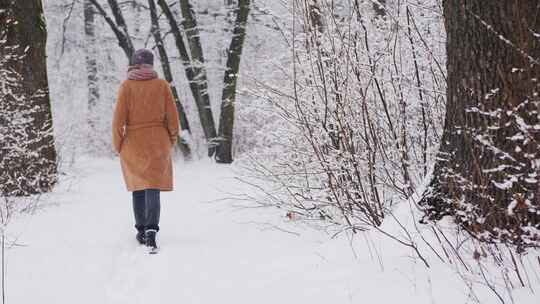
(91, 63)
(197, 61)
(27, 152)
(487, 171)
(156, 32)
(226, 121)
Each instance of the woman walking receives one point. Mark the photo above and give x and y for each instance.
(144, 130)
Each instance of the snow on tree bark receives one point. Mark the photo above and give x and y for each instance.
(156, 32)
(91, 62)
(122, 26)
(487, 171)
(226, 121)
(27, 154)
(193, 66)
(197, 61)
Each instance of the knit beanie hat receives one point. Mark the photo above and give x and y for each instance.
(143, 56)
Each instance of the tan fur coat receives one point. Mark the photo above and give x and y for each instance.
(144, 130)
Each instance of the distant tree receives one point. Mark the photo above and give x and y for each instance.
(228, 98)
(120, 29)
(197, 61)
(27, 150)
(91, 62)
(118, 26)
(192, 56)
(166, 67)
(488, 171)
(192, 59)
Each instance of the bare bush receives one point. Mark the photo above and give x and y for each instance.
(357, 143)
(360, 119)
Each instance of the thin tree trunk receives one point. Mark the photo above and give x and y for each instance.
(184, 56)
(200, 93)
(197, 60)
(156, 32)
(226, 122)
(121, 33)
(121, 24)
(24, 36)
(488, 164)
(91, 63)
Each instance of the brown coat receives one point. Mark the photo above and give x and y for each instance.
(144, 130)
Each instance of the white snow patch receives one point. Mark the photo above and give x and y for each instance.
(84, 251)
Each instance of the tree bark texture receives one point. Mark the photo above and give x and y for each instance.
(91, 62)
(182, 49)
(23, 37)
(197, 61)
(226, 121)
(487, 171)
(156, 33)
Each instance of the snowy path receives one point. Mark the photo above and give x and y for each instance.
(84, 251)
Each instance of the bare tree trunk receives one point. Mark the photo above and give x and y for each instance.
(23, 36)
(488, 164)
(156, 32)
(137, 22)
(197, 60)
(91, 63)
(119, 28)
(200, 93)
(226, 122)
(121, 24)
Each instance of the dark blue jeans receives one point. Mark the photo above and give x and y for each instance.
(146, 207)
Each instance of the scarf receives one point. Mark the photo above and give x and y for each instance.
(141, 72)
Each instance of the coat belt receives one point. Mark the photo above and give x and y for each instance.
(144, 125)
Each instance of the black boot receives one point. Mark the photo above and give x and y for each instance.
(141, 237)
(151, 240)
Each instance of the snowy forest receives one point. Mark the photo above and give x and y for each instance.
(326, 151)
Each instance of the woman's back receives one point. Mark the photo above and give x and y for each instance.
(145, 100)
(145, 128)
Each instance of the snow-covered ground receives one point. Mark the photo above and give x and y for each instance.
(80, 248)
